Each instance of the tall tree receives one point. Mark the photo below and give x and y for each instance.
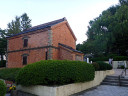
(18, 25)
(14, 27)
(108, 32)
(3, 44)
(25, 22)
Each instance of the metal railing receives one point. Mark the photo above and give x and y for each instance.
(124, 70)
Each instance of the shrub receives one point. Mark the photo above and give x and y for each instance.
(9, 73)
(109, 67)
(2, 88)
(122, 67)
(104, 66)
(96, 66)
(99, 59)
(119, 58)
(55, 72)
(3, 63)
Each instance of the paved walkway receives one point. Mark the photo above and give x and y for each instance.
(105, 90)
(119, 71)
(8, 94)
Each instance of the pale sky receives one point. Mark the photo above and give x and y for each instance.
(77, 12)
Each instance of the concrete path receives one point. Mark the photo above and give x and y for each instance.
(8, 94)
(105, 90)
(119, 71)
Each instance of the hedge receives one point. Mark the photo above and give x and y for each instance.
(2, 88)
(96, 66)
(9, 73)
(115, 58)
(55, 72)
(3, 63)
(104, 66)
(120, 58)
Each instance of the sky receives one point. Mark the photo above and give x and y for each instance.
(77, 12)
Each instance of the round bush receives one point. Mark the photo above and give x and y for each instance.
(2, 88)
(109, 67)
(55, 72)
(96, 66)
(104, 66)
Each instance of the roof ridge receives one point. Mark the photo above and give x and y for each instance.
(70, 48)
(64, 19)
(41, 26)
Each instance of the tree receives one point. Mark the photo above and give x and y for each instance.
(18, 25)
(123, 2)
(14, 27)
(108, 32)
(25, 22)
(3, 44)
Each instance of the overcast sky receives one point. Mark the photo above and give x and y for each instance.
(77, 12)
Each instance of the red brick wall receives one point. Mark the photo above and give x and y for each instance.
(62, 34)
(55, 55)
(34, 40)
(65, 54)
(15, 58)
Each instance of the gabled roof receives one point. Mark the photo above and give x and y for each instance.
(42, 26)
(70, 48)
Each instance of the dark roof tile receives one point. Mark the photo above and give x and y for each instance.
(70, 48)
(42, 26)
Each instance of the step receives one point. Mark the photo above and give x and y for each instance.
(106, 83)
(124, 82)
(112, 76)
(124, 85)
(123, 79)
(113, 81)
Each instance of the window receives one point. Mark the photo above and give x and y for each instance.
(25, 42)
(24, 60)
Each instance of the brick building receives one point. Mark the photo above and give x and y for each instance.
(52, 40)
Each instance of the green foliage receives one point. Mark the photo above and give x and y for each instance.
(96, 66)
(106, 58)
(120, 58)
(108, 33)
(2, 88)
(3, 43)
(9, 73)
(55, 72)
(104, 66)
(18, 25)
(99, 59)
(122, 67)
(25, 22)
(3, 63)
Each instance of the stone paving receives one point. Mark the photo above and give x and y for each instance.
(105, 90)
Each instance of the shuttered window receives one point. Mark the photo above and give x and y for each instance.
(25, 42)
(24, 60)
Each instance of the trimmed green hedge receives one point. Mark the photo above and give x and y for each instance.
(104, 66)
(96, 66)
(120, 58)
(55, 72)
(9, 73)
(2, 88)
(115, 58)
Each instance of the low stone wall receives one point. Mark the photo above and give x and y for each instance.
(115, 64)
(66, 90)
